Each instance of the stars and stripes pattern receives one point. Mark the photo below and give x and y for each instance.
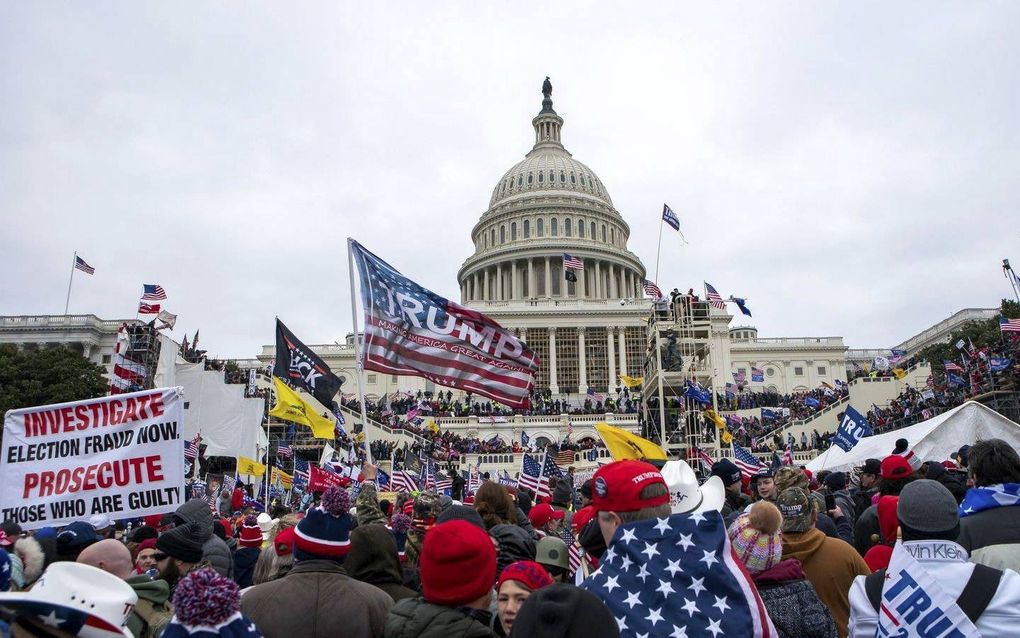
(535, 477)
(564, 457)
(598, 397)
(191, 449)
(80, 264)
(402, 481)
(670, 217)
(705, 459)
(410, 330)
(153, 292)
(1009, 325)
(952, 367)
(285, 451)
(748, 463)
(757, 375)
(788, 455)
(714, 297)
(651, 289)
(572, 262)
(301, 475)
(678, 576)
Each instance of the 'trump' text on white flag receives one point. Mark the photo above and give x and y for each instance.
(120, 455)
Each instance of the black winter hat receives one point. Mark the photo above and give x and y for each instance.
(463, 513)
(727, 470)
(182, 543)
(564, 611)
(835, 481)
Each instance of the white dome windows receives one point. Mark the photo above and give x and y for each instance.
(513, 231)
(580, 228)
(527, 229)
(566, 227)
(554, 227)
(541, 176)
(541, 227)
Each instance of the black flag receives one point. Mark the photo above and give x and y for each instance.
(297, 364)
(570, 275)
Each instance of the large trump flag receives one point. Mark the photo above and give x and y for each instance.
(410, 330)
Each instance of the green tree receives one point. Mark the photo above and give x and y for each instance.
(47, 375)
(980, 333)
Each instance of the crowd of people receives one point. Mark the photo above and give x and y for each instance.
(635, 550)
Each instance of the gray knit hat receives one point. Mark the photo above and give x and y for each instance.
(927, 506)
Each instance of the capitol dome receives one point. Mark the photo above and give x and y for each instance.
(547, 205)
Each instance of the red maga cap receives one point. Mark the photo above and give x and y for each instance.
(617, 487)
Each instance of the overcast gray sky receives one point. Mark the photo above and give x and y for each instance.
(850, 168)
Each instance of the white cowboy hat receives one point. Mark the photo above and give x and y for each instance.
(685, 496)
(265, 523)
(79, 599)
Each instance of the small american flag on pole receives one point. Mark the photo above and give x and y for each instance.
(153, 292)
(535, 477)
(952, 367)
(284, 451)
(714, 297)
(402, 481)
(651, 289)
(191, 450)
(1009, 325)
(747, 462)
(705, 459)
(80, 264)
(572, 262)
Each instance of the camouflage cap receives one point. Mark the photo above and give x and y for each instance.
(427, 505)
(796, 507)
(789, 476)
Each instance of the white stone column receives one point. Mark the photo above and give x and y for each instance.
(623, 351)
(513, 281)
(485, 285)
(611, 358)
(548, 279)
(499, 282)
(598, 280)
(531, 277)
(554, 385)
(612, 282)
(581, 283)
(582, 361)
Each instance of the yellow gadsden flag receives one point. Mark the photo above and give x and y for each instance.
(291, 407)
(250, 467)
(632, 382)
(281, 479)
(899, 373)
(714, 417)
(624, 445)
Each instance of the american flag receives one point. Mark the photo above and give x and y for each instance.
(80, 264)
(747, 462)
(153, 292)
(1009, 325)
(757, 375)
(714, 297)
(670, 217)
(410, 330)
(565, 457)
(651, 289)
(474, 479)
(229, 482)
(300, 471)
(598, 397)
(535, 477)
(705, 459)
(572, 262)
(788, 455)
(739, 377)
(403, 481)
(382, 480)
(191, 449)
(284, 451)
(952, 367)
(148, 308)
(707, 592)
(444, 485)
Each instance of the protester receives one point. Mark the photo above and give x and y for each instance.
(730, 475)
(374, 559)
(458, 569)
(546, 519)
(317, 598)
(829, 563)
(552, 554)
(214, 550)
(145, 558)
(790, 599)
(178, 551)
(74, 538)
(929, 521)
(564, 611)
(869, 475)
(765, 485)
(990, 523)
(495, 506)
(836, 485)
(248, 551)
(896, 473)
(518, 581)
(276, 560)
(207, 604)
(424, 511)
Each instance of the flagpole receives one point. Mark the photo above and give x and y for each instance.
(657, 252)
(67, 302)
(359, 364)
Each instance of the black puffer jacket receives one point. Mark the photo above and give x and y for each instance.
(415, 618)
(373, 559)
(514, 544)
(792, 602)
(214, 549)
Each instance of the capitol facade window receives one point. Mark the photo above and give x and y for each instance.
(554, 229)
(566, 227)
(527, 229)
(541, 227)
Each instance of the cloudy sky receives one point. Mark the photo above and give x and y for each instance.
(850, 168)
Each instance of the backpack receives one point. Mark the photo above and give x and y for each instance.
(153, 620)
(973, 600)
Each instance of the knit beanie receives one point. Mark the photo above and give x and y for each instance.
(182, 543)
(463, 513)
(756, 539)
(457, 563)
(143, 532)
(148, 543)
(399, 526)
(251, 534)
(207, 604)
(526, 572)
(325, 531)
(564, 611)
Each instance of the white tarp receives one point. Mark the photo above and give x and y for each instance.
(231, 425)
(935, 439)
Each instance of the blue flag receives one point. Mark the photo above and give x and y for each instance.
(769, 415)
(851, 430)
(525, 439)
(954, 379)
(998, 364)
(742, 304)
(812, 402)
(382, 479)
(670, 217)
(697, 393)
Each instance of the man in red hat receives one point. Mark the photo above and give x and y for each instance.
(895, 472)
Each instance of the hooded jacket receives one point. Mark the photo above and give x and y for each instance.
(153, 611)
(794, 607)
(415, 618)
(214, 549)
(831, 565)
(373, 559)
(992, 537)
(514, 544)
(244, 565)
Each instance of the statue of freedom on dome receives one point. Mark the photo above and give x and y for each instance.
(547, 88)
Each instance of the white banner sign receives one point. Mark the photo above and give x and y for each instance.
(120, 455)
